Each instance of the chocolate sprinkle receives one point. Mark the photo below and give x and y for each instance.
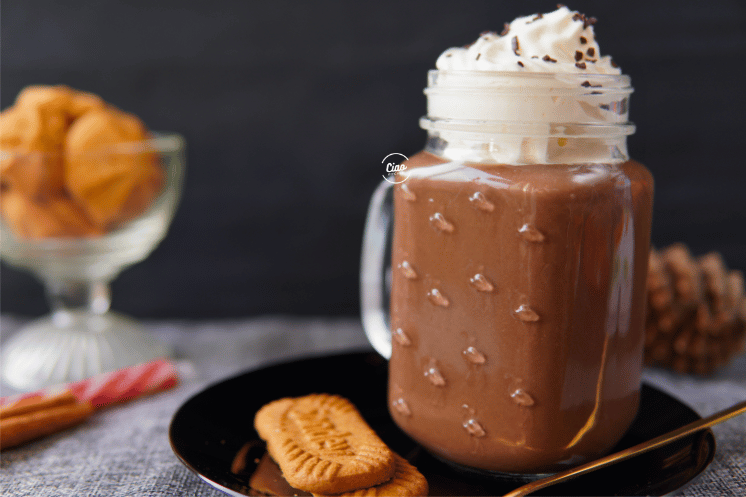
(591, 52)
(515, 45)
(578, 55)
(588, 84)
(478, 55)
(587, 21)
(580, 65)
(506, 29)
(619, 107)
(536, 18)
(583, 41)
(547, 58)
(520, 63)
(613, 64)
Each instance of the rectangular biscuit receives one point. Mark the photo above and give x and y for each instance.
(407, 482)
(323, 445)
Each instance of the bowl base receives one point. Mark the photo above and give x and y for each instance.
(69, 346)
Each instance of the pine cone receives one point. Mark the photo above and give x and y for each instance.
(696, 318)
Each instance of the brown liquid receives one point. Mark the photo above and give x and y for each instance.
(517, 309)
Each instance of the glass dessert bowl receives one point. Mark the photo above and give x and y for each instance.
(81, 337)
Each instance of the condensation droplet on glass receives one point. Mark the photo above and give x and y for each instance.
(530, 233)
(526, 314)
(402, 407)
(481, 202)
(408, 271)
(441, 223)
(474, 356)
(438, 298)
(435, 376)
(522, 398)
(407, 193)
(481, 283)
(401, 337)
(474, 429)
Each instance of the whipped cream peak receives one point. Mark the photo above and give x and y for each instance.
(562, 41)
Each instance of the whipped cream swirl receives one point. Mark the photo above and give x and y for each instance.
(562, 41)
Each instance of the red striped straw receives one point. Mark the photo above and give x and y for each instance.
(116, 386)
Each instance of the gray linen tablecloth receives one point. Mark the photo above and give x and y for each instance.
(124, 451)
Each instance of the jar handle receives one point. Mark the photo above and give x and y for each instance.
(375, 269)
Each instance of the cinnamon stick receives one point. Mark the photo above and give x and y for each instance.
(33, 418)
(37, 403)
(41, 413)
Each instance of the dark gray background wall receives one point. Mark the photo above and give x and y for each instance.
(289, 107)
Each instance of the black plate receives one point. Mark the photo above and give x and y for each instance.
(209, 429)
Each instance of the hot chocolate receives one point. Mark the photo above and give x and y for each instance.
(519, 254)
(517, 309)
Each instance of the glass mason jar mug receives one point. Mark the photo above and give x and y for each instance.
(519, 242)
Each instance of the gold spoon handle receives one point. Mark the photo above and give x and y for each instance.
(638, 449)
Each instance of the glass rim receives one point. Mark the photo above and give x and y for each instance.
(615, 81)
(574, 130)
(159, 142)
